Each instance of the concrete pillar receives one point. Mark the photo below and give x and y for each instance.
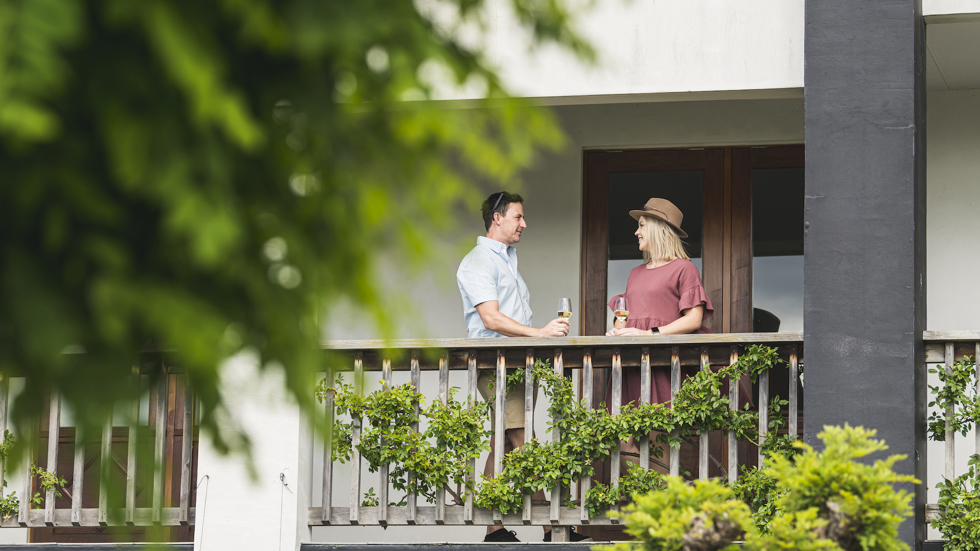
(864, 304)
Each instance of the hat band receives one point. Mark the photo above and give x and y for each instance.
(658, 210)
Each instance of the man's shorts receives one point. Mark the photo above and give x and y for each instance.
(513, 402)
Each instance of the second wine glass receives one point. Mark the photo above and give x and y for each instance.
(621, 309)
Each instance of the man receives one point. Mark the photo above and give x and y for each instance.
(496, 303)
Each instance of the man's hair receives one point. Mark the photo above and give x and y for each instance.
(498, 202)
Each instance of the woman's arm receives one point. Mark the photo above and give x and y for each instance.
(689, 322)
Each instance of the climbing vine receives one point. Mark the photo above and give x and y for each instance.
(959, 498)
(435, 459)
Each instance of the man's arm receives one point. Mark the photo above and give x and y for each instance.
(495, 321)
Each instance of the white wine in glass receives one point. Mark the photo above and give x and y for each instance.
(620, 309)
(565, 308)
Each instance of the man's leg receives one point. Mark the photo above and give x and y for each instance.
(488, 468)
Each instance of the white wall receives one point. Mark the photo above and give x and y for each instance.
(647, 47)
(952, 227)
(949, 7)
(235, 511)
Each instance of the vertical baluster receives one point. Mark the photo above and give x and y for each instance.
(24, 512)
(383, 469)
(675, 387)
(645, 399)
(733, 391)
(54, 429)
(703, 435)
(557, 535)
(500, 392)
(160, 447)
(587, 398)
(617, 402)
(528, 419)
(763, 411)
(4, 393)
(471, 401)
(326, 492)
(444, 398)
(186, 455)
(132, 439)
(355, 462)
(105, 462)
(976, 358)
(794, 391)
(413, 498)
(950, 433)
(78, 475)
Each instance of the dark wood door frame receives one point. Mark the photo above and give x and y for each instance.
(595, 223)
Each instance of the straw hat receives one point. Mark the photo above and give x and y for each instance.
(663, 210)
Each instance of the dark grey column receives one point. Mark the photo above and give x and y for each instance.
(864, 306)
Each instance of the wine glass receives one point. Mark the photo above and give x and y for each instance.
(621, 310)
(565, 308)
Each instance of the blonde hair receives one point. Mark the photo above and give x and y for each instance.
(662, 241)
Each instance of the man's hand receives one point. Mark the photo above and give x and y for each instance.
(557, 327)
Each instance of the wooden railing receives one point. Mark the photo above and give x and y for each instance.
(593, 356)
(170, 412)
(946, 348)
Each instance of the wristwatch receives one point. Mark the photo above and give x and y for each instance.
(655, 330)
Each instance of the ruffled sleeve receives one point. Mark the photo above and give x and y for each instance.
(692, 293)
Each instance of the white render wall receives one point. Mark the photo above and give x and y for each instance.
(647, 47)
(952, 227)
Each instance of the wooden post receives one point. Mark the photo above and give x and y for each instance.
(23, 513)
(587, 395)
(472, 397)
(950, 411)
(132, 439)
(645, 399)
(500, 393)
(160, 448)
(444, 398)
(383, 469)
(556, 437)
(763, 411)
(105, 462)
(54, 430)
(4, 393)
(528, 419)
(186, 455)
(733, 397)
(794, 391)
(703, 435)
(413, 498)
(617, 402)
(675, 387)
(355, 463)
(78, 475)
(326, 492)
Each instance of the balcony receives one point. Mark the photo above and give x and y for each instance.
(589, 360)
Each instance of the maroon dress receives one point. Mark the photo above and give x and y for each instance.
(656, 297)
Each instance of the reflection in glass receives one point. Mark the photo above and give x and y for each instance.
(777, 245)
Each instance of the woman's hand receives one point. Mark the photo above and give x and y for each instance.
(628, 331)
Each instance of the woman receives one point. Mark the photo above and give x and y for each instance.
(664, 294)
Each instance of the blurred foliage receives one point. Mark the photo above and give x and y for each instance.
(210, 177)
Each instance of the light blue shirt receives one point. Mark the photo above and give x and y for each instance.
(489, 272)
